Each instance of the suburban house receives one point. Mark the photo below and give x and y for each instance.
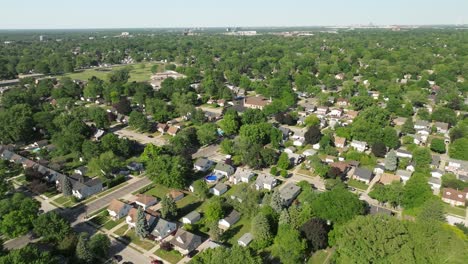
(256, 102)
(185, 242)
(342, 102)
(340, 142)
(229, 220)
(176, 195)
(399, 121)
(285, 131)
(118, 209)
(401, 153)
(135, 166)
(336, 113)
(360, 146)
(309, 152)
(421, 124)
(241, 175)
(437, 173)
(295, 158)
(288, 193)
(376, 210)
(265, 181)
(83, 187)
(162, 127)
(191, 218)
(172, 130)
(441, 127)
(219, 189)
(202, 164)
(145, 200)
(342, 166)
(290, 150)
(321, 111)
(435, 183)
(245, 239)
(363, 175)
(387, 178)
(132, 218)
(459, 167)
(163, 229)
(223, 170)
(379, 169)
(404, 175)
(454, 197)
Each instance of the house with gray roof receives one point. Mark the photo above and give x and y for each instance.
(265, 181)
(202, 164)
(288, 193)
(223, 170)
(363, 175)
(229, 220)
(245, 239)
(191, 218)
(404, 175)
(241, 175)
(435, 183)
(219, 189)
(441, 127)
(163, 229)
(421, 124)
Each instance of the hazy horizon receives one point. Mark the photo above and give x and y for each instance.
(106, 14)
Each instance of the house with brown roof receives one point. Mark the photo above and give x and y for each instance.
(387, 178)
(132, 218)
(344, 167)
(256, 102)
(340, 142)
(162, 127)
(342, 102)
(145, 200)
(118, 209)
(172, 130)
(454, 197)
(176, 195)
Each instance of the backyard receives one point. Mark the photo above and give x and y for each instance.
(137, 73)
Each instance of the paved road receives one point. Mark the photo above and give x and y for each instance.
(80, 212)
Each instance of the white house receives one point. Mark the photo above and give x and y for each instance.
(229, 220)
(360, 146)
(131, 218)
(265, 181)
(404, 175)
(245, 239)
(163, 229)
(223, 170)
(241, 175)
(421, 124)
(435, 183)
(191, 218)
(219, 189)
(401, 153)
(437, 173)
(202, 164)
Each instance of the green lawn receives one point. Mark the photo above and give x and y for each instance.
(143, 243)
(320, 257)
(136, 74)
(188, 204)
(51, 193)
(454, 210)
(172, 256)
(121, 230)
(111, 223)
(238, 230)
(100, 219)
(158, 191)
(357, 184)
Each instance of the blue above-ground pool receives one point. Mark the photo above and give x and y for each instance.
(211, 178)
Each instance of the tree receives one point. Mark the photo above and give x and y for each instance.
(458, 150)
(138, 121)
(313, 135)
(200, 189)
(214, 210)
(390, 137)
(28, 254)
(99, 244)
(141, 227)
(408, 127)
(438, 145)
(230, 123)
(51, 226)
(17, 214)
(284, 218)
(66, 186)
(215, 232)
(379, 149)
(422, 157)
(443, 114)
(391, 161)
(170, 171)
(261, 231)
(392, 193)
(276, 203)
(312, 121)
(253, 116)
(337, 205)
(104, 164)
(315, 231)
(83, 252)
(288, 246)
(432, 210)
(283, 161)
(207, 133)
(168, 207)
(416, 191)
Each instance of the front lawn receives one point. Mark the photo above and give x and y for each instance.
(158, 191)
(103, 220)
(454, 210)
(135, 239)
(172, 256)
(121, 230)
(111, 223)
(65, 201)
(236, 231)
(358, 185)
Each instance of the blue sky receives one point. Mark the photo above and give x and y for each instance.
(44, 14)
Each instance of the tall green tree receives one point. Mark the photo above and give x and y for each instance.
(391, 161)
(141, 227)
(83, 252)
(261, 231)
(288, 245)
(51, 226)
(168, 207)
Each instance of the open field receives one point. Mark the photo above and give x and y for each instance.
(137, 73)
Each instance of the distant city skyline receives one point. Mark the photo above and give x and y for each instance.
(56, 14)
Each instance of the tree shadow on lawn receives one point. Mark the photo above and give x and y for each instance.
(228, 234)
(189, 208)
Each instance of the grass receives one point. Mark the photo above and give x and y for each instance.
(136, 74)
(188, 199)
(158, 191)
(454, 210)
(358, 185)
(237, 230)
(306, 172)
(121, 230)
(143, 243)
(320, 257)
(172, 256)
(111, 223)
(50, 194)
(100, 219)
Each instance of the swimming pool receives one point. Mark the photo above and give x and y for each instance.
(211, 178)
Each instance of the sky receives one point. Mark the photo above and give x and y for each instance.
(66, 14)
